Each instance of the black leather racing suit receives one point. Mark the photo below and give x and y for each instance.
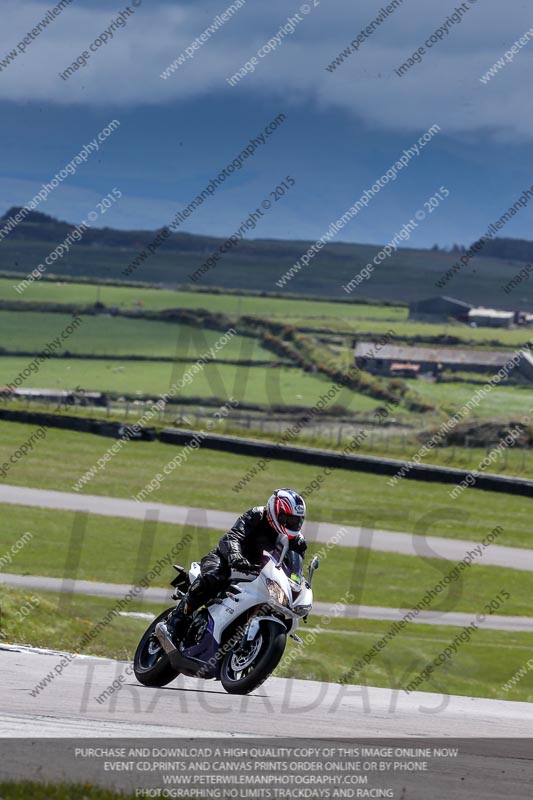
(249, 536)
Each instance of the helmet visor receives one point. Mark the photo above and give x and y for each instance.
(293, 522)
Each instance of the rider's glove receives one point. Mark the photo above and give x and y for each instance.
(240, 563)
(299, 544)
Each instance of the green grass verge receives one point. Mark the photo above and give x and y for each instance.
(386, 443)
(59, 621)
(334, 434)
(206, 478)
(481, 667)
(118, 550)
(111, 549)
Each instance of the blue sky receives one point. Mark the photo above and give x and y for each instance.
(343, 129)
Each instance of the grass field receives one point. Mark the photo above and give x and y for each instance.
(115, 336)
(404, 329)
(508, 402)
(348, 318)
(159, 299)
(207, 477)
(259, 385)
(119, 550)
(480, 667)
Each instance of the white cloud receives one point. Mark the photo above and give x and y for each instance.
(444, 88)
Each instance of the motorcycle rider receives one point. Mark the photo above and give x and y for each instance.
(241, 550)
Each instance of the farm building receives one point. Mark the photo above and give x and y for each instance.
(490, 318)
(58, 396)
(442, 309)
(408, 361)
(439, 309)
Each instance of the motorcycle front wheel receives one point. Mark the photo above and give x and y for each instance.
(150, 663)
(242, 671)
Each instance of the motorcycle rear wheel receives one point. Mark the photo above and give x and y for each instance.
(242, 672)
(150, 663)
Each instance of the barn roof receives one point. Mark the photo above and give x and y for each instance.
(450, 355)
(490, 313)
(439, 300)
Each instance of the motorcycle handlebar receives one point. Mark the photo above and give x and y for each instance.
(253, 571)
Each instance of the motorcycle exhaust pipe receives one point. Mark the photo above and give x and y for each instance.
(181, 663)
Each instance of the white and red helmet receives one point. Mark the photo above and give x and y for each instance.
(285, 511)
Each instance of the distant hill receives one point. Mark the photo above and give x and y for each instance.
(258, 263)
(515, 249)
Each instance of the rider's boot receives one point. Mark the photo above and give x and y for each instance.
(176, 625)
(178, 621)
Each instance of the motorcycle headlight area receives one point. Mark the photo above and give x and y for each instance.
(276, 592)
(302, 611)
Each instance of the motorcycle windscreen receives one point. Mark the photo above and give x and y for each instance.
(293, 566)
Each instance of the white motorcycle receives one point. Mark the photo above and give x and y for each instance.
(240, 636)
